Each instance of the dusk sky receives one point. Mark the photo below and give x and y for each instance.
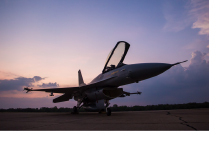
(43, 44)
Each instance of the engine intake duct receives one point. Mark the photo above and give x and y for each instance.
(112, 93)
(105, 93)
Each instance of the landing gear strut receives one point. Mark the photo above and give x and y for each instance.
(76, 108)
(108, 111)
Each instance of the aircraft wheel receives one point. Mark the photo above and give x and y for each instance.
(102, 111)
(109, 112)
(75, 111)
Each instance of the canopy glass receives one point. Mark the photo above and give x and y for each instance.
(116, 56)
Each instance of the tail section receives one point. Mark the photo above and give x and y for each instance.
(81, 82)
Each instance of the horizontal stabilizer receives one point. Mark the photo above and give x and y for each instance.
(62, 98)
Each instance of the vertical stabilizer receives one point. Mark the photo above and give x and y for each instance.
(81, 82)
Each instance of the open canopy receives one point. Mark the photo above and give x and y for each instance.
(116, 56)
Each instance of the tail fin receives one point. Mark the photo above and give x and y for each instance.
(81, 82)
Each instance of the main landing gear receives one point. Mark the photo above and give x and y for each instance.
(108, 111)
(75, 110)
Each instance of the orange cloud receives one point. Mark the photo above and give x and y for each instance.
(7, 75)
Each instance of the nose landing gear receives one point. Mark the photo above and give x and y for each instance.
(108, 110)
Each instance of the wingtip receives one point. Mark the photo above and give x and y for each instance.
(27, 89)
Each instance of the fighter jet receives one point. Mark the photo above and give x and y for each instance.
(96, 95)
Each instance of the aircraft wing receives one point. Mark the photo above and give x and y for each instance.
(71, 89)
(69, 92)
(55, 90)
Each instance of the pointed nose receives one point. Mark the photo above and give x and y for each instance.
(147, 70)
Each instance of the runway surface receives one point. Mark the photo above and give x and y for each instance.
(182, 119)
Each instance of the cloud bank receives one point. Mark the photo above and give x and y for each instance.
(45, 85)
(18, 83)
(193, 12)
(200, 10)
(14, 87)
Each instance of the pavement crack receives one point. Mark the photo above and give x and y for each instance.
(183, 121)
(188, 126)
(180, 118)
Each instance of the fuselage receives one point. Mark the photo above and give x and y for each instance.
(131, 73)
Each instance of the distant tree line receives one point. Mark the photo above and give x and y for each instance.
(115, 108)
(42, 109)
(161, 107)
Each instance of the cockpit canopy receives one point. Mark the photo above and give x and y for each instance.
(116, 56)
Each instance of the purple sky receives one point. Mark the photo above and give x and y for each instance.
(45, 43)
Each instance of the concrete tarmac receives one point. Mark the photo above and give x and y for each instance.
(162, 120)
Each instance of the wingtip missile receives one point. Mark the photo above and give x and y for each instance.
(28, 89)
(139, 92)
(128, 93)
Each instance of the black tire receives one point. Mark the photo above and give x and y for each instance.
(109, 112)
(101, 111)
(75, 111)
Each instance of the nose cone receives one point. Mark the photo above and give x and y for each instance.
(147, 70)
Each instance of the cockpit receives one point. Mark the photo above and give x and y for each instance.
(116, 56)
